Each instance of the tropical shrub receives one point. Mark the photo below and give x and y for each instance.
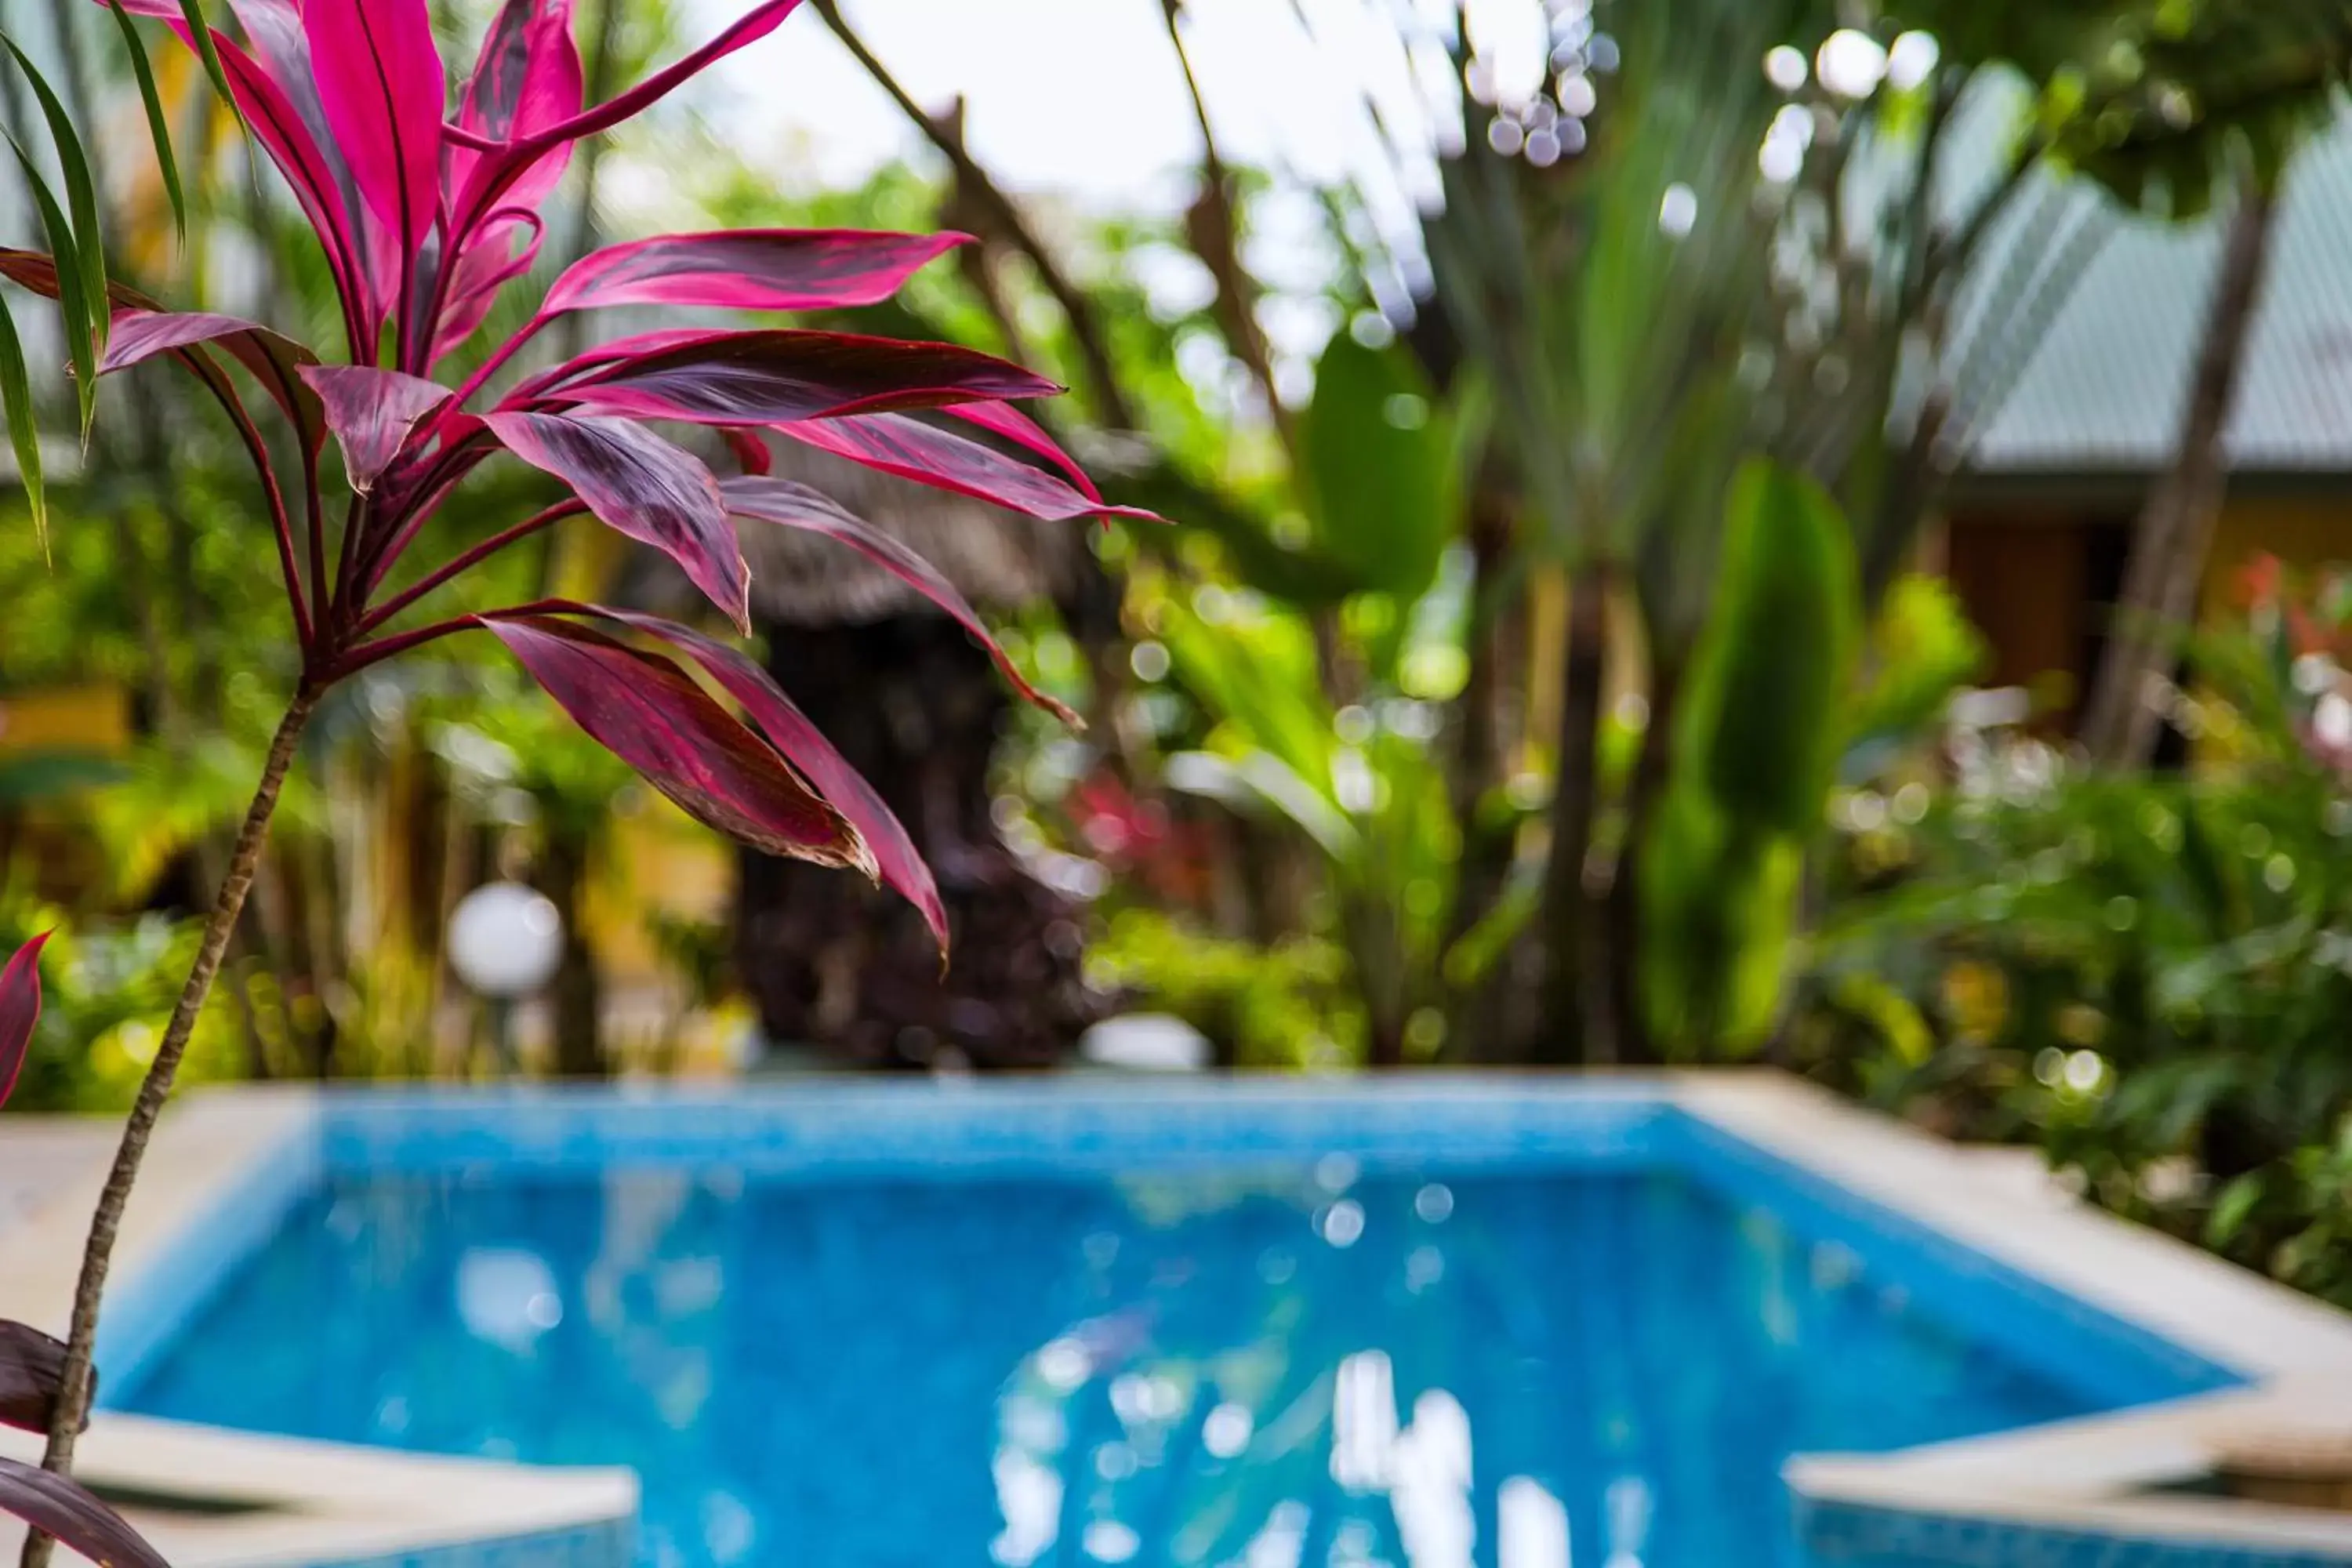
(2148, 975)
(425, 209)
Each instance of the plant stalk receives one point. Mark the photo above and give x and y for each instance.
(98, 1254)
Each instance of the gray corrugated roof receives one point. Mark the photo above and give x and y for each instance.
(2103, 390)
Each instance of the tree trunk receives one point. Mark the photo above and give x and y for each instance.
(74, 1382)
(1475, 763)
(578, 992)
(1643, 791)
(2176, 527)
(1566, 1031)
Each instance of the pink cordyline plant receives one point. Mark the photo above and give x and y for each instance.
(424, 215)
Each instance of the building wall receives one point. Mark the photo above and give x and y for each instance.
(2300, 532)
(2038, 582)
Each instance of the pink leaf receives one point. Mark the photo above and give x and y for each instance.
(790, 731)
(372, 411)
(381, 82)
(650, 713)
(645, 488)
(911, 449)
(138, 334)
(776, 377)
(62, 1506)
(749, 269)
(315, 173)
(791, 505)
(751, 454)
(1004, 419)
(278, 93)
(584, 366)
(526, 79)
(484, 268)
(32, 1371)
(135, 335)
(497, 172)
(20, 1009)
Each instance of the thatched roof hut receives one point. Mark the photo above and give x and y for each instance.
(917, 707)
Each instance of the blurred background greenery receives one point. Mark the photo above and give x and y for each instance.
(1701, 531)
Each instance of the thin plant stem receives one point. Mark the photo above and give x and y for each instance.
(210, 376)
(366, 655)
(74, 1386)
(462, 563)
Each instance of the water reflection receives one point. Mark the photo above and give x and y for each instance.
(1329, 1368)
(1238, 1428)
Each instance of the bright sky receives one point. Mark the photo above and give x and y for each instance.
(1079, 97)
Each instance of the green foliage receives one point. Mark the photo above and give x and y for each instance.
(159, 131)
(104, 985)
(24, 434)
(1922, 649)
(1762, 722)
(1287, 1004)
(1377, 470)
(1759, 732)
(516, 758)
(74, 241)
(2146, 974)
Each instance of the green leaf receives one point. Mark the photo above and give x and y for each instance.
(202, 31)
(2234, 1208)
(1776, 660)
(81, 202)
(158, 126)
(17, 397)
(73, 299)
(1377, 468)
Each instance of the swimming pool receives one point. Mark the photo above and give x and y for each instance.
(1257, 1325)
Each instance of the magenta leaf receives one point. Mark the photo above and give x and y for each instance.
(381, 82)
(372, 411)
(790, 731)
(276, 362)
(485, 267)
(315, 174)
(651, 715)
(498, 173)
(751, 269)
(527, 76)
(791, 505)
(526, 79)
(136, 335)
(32, 1371)
(894, 444)
(645, 487)
(20, 1009)
(550, 383)
(1004, 419)
(140, 329)
(62, 1506)
(777, 377)
(750, 452)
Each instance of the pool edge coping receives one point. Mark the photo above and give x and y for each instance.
(316, 1504)
(2087, 1476)
(2083, 1476)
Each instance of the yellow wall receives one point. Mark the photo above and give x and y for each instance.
(81, 719)
(2299, 532)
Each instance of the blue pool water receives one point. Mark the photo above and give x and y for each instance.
(1316, 1369)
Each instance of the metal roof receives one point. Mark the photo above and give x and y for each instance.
(2102, 390)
